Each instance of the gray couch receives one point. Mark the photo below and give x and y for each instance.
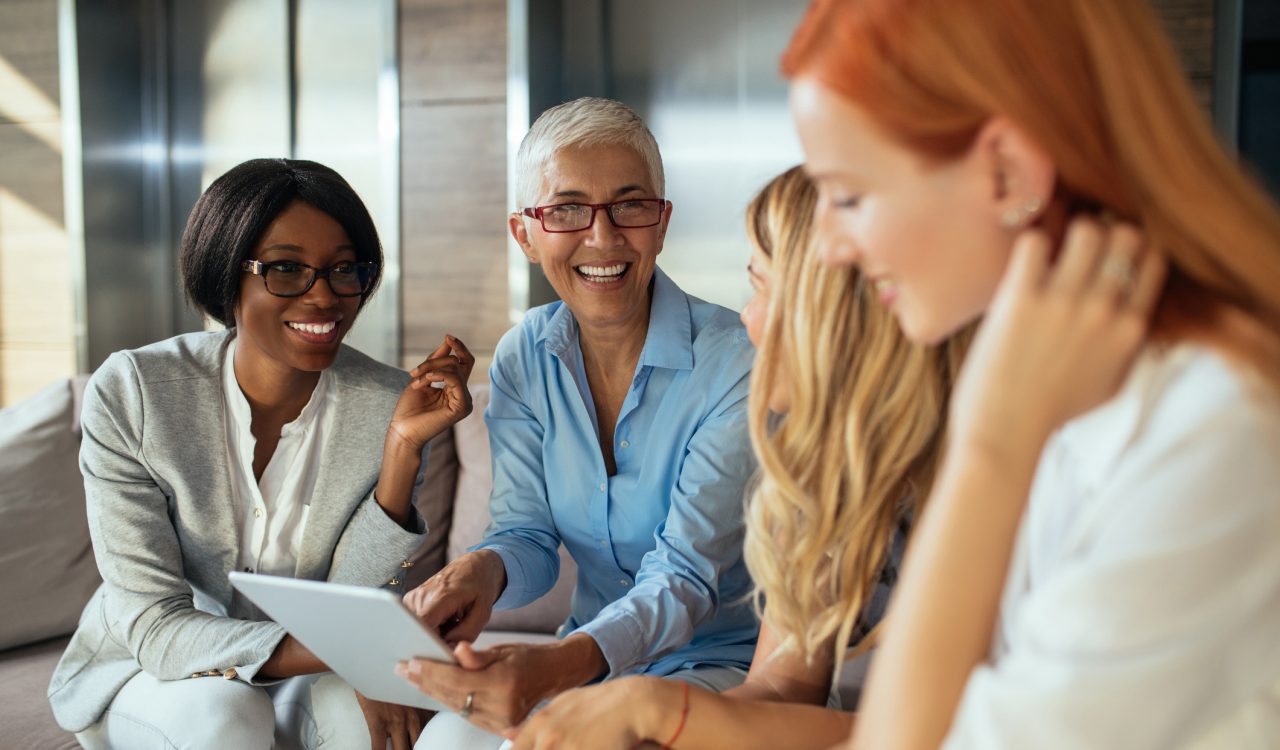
(49, 571)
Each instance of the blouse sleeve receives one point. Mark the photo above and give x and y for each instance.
(1158, 621)
(522, 531)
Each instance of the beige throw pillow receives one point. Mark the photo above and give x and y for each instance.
(45, 553)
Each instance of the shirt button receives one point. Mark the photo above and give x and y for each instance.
(257, 512)
(624, 582)
(624, 444)
(603, 486)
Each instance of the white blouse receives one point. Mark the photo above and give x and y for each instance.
(271, 514)
(1142, 608)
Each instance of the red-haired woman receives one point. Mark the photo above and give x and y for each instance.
(1098, 565)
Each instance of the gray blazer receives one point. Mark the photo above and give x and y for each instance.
(159, 499)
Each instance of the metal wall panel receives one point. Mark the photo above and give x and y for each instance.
(129, 292)
(705, 77)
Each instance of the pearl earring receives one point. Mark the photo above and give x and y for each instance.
(1017, 216)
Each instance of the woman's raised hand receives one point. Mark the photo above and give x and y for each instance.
(1059, 337)
(436, 397)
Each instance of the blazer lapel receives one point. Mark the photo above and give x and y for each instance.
(349, 468)
(192, 441)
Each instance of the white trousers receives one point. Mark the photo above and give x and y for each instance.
(448, 731)
(301, 713)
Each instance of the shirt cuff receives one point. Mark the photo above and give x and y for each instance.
(621, 638)
(375, 546)
(269, 640)
(518, 592)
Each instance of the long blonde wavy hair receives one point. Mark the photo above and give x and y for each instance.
(859, 444)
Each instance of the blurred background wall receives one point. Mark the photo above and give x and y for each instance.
(37, 277)
(114, 116)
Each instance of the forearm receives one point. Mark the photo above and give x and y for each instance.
(492, 569)
(729, 722)
(940, 626)
(578, 660)
(785, 675)
(291, 659)
(400, 466)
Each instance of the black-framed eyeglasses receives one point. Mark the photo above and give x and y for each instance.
(289, 278)
(632, 213)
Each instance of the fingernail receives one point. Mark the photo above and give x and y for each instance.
(402, 669)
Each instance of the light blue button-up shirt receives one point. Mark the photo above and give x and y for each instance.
(661, 581)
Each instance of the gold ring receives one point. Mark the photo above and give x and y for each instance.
(1119, 269)
(466, 706)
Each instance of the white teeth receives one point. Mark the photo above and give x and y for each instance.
(316, 328)
(603, 271)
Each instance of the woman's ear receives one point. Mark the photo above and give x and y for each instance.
(520, 232)
(1020, 173)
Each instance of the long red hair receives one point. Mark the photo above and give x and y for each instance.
(1096, 84)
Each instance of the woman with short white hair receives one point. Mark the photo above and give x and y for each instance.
(618, 423)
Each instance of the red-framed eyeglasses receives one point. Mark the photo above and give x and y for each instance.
(632, 213)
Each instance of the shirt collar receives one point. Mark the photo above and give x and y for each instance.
(668, 343)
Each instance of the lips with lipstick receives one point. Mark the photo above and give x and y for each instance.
(598, 273)
(315, 331)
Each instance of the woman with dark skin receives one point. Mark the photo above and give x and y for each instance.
(267, 447)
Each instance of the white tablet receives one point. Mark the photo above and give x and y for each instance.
(361, 633)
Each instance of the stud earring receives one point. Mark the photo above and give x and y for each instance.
(1017, 216)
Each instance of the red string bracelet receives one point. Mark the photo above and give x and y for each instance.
(684, 714)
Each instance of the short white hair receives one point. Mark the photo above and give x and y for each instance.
(589, 121)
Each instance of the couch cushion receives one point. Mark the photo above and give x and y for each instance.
(45, 553)
(435, 503)
(26, 721)
(471, 516)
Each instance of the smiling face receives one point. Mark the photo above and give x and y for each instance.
(296, 333)
(928, 236)
(602, 273)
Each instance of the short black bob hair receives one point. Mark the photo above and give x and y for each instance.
(228, 222)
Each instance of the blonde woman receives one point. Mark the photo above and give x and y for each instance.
(1109, 506)
(842, 474)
